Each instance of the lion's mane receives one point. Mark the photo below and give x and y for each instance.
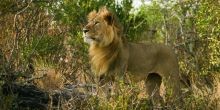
(103, 57)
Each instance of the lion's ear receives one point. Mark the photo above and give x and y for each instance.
(107, 15)
(109, 18)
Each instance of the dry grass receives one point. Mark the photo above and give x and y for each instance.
(129, 97)
(126, 97)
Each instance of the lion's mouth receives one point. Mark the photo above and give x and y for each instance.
(92, 38)
(87, 36)
(89, 39)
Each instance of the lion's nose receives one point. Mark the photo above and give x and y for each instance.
(85, 30)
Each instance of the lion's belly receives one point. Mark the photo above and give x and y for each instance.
(140, 70)
(136, 77)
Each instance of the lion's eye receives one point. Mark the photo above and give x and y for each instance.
(97, 22)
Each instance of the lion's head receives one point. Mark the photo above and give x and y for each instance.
(101, 29)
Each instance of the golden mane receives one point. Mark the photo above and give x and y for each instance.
(103, 58)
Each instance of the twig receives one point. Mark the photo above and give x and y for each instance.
(86, 85)
(33, 78)
(16, 35)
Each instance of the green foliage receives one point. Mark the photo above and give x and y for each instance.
(152, 22)
(45, 46)
(152, 14)
(207, 23)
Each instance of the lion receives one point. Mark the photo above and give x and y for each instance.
(112, 56)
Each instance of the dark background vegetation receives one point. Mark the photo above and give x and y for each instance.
(39, 37)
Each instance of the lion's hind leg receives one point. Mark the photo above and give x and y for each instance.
(173, 91)
(152, 84)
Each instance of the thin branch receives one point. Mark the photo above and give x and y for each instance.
(16, 30)
(33, 78)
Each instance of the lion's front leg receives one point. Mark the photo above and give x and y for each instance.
(105, 85)
(110, 84)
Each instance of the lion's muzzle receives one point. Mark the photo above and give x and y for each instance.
(89, 37)
(86, 37)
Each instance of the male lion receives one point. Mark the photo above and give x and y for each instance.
(112, 56)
